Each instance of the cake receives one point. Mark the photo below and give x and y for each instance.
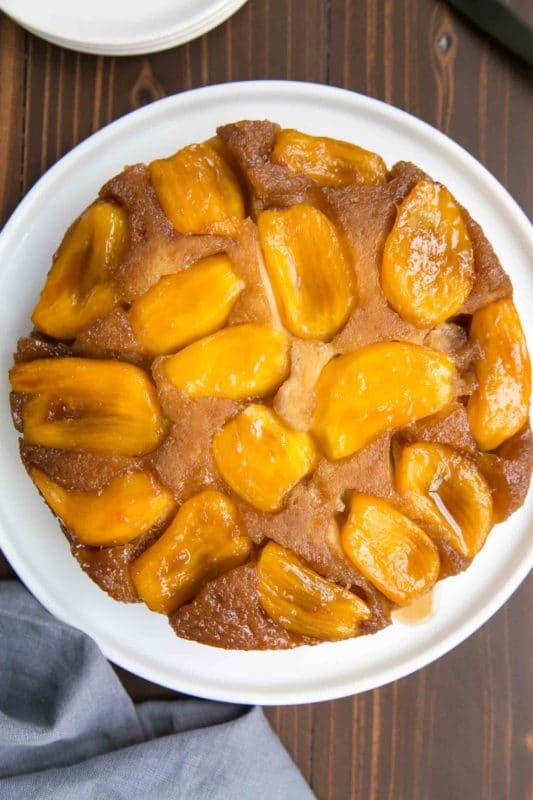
(274, 389)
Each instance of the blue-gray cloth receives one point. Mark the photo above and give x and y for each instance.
(69, 731)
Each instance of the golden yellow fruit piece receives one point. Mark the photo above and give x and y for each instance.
(79, 286)
(219, 146)
(198, 191)
(389, 549)
(183, 307)
(379, 387)
(329, 162)
(80, 404)
(447, 492)
(204, 540)
(261, 458)
(303, 602)
(428, 261)
(237, 362)
(310, 273)
(128, 506)
(499, 406)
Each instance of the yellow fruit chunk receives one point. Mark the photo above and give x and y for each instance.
(379, 387)
(389, 549)
(79, 286)
(329, 162)
(128, 506)
(240, 361)
(198, 191)
(303, 602)
(80, 404)
(204, 540)
(446, 491)
(261, 458)
(428, 261)
(309, 270)
(219, 146)
(183, 307)
(499, 406)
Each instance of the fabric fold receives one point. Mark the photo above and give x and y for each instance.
(69, 730)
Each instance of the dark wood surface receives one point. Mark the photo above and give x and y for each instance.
(461, 728)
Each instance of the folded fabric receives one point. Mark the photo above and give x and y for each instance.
(69, 731)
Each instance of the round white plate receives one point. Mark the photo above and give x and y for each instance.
(119, 27)
(132, 636)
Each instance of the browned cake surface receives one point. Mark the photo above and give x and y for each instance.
(109, 566)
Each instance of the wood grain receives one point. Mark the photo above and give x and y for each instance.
(461, 728)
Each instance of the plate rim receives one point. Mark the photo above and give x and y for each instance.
(270, 696)
(138, 46)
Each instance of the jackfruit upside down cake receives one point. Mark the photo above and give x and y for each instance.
(274, 389)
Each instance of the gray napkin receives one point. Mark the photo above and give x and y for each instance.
(69, 731)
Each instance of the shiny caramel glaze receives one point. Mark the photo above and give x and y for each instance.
(121, 511)
(304, 602)
(227, 613)
(177, 310)
(428, 262)
(258, 278)
(390, 549)
(235, 363)
(78, 289)
(379, 387)
(445, 490)
(205, 539)
(198, 192)
(261, 458)
(499, 405)
(308, 267)
(327, 161)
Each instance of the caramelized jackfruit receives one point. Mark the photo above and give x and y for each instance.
(310, 272)
(198, 191)
(237, 362)
(446, 491)
(329, 162)
(261, 458)
(80, 404)
(379, 387)
(499, 406)
(300, 600)
(183, 307)
(428, 261)
(389, 549)
(204, 540)
(128, 506)
(79, 286)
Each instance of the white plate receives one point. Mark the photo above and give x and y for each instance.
(120, 27)
(132, 636)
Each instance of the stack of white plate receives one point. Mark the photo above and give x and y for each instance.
(119, 27)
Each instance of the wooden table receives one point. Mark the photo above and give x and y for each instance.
(460, 728)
